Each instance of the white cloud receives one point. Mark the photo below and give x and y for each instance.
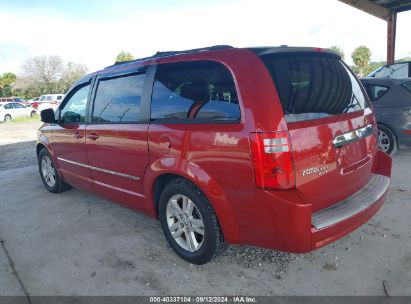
(95, 43)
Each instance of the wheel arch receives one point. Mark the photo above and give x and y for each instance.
(393, 131)
(155, 181)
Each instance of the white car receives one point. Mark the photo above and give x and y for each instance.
(10, 110)
(49, 101)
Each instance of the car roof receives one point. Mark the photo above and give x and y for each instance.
(264, 50)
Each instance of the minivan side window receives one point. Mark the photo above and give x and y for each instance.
(74, 109)
(193, 91)
(313, 86)
(375, 92)
(118, 99)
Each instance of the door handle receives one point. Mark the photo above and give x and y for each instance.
(92, 136)
(78, 135)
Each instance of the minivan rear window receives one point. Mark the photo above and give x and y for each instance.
(312, 86)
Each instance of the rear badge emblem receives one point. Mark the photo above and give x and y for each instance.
(321, 171)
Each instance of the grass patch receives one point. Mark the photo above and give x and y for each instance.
(35, 118)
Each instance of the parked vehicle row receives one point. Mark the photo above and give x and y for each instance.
(47, 101)
(14, 99)
(222, 144)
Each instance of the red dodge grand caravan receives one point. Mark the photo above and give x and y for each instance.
(272, 147)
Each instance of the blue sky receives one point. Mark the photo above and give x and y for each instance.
(92, 32)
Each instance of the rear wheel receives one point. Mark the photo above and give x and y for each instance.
(7, 117)
(33, 113)
(189, 222)
(387, 141)
(51, 180)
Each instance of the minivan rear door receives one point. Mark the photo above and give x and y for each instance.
(330, 123)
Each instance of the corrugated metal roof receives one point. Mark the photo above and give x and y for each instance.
(380, 8)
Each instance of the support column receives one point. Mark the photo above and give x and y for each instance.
(391, 33)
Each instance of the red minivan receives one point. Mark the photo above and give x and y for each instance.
(272, 147)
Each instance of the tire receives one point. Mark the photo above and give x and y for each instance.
(191, 242)
(33, 113)
(51, 179)
(7, 118)
(387, 141)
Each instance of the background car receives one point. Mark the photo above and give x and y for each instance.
(11, 110)
(392, 102)
(395, 70)
(34, 102)
(49, 101)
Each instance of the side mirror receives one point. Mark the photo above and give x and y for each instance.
(47, 116)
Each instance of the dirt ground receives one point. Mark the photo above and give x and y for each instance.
(76, 244)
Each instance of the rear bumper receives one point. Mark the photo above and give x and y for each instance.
(330, 224)
(288, 223)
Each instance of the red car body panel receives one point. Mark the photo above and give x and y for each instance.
(121, 148)
(217, 158)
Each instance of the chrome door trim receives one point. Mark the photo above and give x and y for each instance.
(99, 169)
(352, 136)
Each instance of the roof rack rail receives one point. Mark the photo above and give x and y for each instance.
(172, 53)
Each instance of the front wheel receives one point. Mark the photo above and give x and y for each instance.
(7, 118)
(33, 113)
(51, 180)
(189, 222)
(387, 141)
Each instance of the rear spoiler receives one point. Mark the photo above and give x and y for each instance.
(261, 51)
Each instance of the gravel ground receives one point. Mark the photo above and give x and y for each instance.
(77, 244)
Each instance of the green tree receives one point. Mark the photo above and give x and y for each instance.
(124, 56)
(361, 58)
(71, 73)
(6, 81)
(338, 50)
(47, 75)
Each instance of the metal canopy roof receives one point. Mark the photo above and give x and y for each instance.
(386, 10)
(380, 8)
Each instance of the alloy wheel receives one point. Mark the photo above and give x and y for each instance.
(48, 171)
(384, 141)
(185, 223)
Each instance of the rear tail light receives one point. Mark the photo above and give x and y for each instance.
(272, 160)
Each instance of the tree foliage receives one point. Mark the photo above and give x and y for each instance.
(124, 56)
(338, 50)
(361, 58)
(47, 75)
(5, 84)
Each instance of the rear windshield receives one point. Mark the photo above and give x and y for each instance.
(312, 86)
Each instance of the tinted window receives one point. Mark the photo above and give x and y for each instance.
(8, 106)
(312, 86)
(18, 106)
(118, 99)
(376, 91)
(194, 90)
(59, 97)
(74, 110)
(407, 86)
